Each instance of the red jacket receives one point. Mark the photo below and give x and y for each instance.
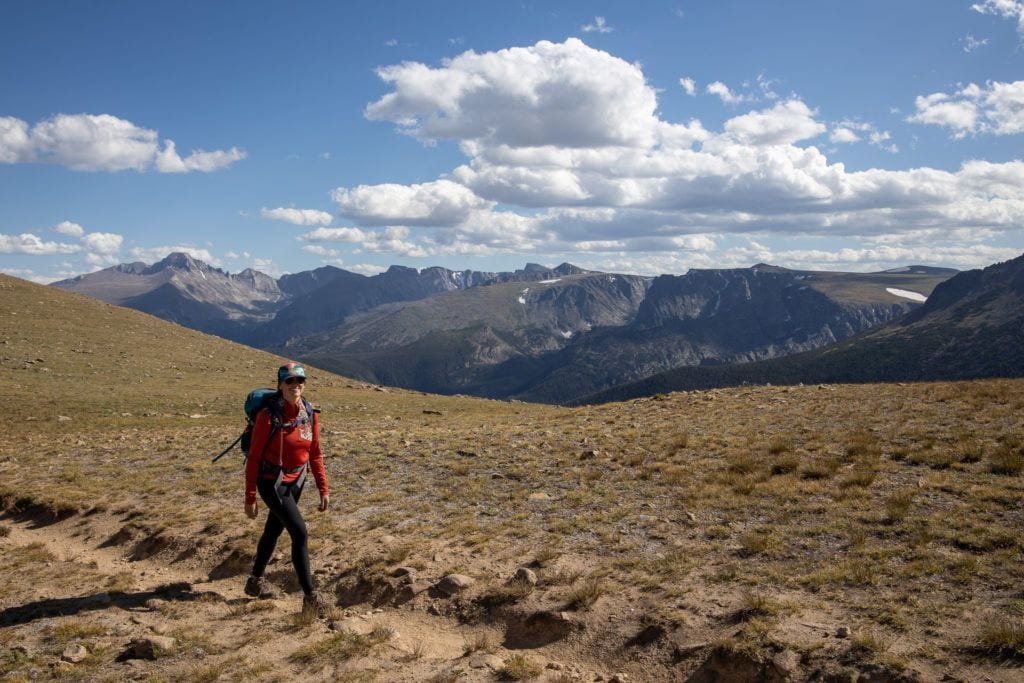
(290, 447)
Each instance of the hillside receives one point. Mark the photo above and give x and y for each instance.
(803, 533)
(972, 326)
(559, 339)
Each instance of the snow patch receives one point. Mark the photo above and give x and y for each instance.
(567, 335)
(550, 282)
(913, 296)
(522, 298)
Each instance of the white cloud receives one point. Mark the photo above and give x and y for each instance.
(689, 86)
(317, 250)
(87, 142)
(995, 109)
(369, 269)
(784, 124)
(102, 242)
(441, 202)
(1008, 9)
(154, 254)
(843, 135)
(27, 243)
(562, 94)
(599, 26)
(15, 144)
(631, 181)
(335, 235)
(722, 91)
(971, 43)
(69, 228)
(298, 216)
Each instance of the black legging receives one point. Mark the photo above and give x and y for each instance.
(283, 506)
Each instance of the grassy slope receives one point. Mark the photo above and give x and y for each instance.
(747, 511)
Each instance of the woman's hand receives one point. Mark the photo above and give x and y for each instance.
(250, 510)
(324, 502)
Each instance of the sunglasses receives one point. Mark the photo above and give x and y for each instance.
(292, 380)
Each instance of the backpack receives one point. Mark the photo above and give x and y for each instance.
(257, 400)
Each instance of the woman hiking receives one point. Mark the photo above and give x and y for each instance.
(285, 447)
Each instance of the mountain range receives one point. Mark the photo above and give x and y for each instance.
(972, 326)
(539, 334)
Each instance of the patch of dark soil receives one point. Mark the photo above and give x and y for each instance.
(377, 589)
(648, 635)
(525, 631)
(124, 536)
(34, 513)
(150, 546)
(235, 564)
(726, 664)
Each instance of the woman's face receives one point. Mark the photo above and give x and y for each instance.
(291, 388)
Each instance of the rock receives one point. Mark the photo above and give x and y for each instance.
(618, 678)
(691, 517)
(539, 495)
(843, 632)
(454, 583)
(403, 571)
(555, 666)
(485, 660)
(588, 455)
(63, 418)
(74, 654)
(387, 539)
(148, 647)
(786, 663)
(525, 575)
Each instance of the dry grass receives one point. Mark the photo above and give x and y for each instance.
(848, 497)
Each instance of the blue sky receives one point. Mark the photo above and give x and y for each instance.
(634, 137)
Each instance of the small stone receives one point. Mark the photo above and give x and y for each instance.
(556, 666)
(403, 571)
(63, 418)
(618, 678)
(149, 647)
(484, 660)
(454, 583)
(588, 455)
(525, 575)
(74, 654)
(539, 495)
(843, 632)
(690, 516)
(786, 663)
(387, 539)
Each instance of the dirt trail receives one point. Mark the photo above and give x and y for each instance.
(73, 582)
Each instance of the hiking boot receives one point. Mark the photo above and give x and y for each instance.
(259, 587)
(315, 603)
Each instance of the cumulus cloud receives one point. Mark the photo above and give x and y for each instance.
(298, 216)
(87, 142)
(102, 242)
(722, 91)
(69, 228)
(689, 86)
(562, 94)
(27, 243)
(618, 177)
(786, 123)
(599, 26)
(1007, 9)
(441, 202)
(995, 109)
